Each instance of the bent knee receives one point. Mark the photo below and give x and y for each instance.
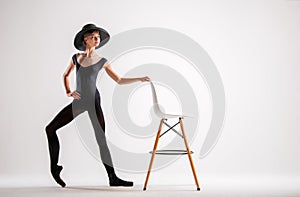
(49, 130)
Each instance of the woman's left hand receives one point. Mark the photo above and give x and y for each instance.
(143, 79)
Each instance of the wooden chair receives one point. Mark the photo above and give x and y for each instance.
(164, 117)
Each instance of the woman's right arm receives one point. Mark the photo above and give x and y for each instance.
(66, 75)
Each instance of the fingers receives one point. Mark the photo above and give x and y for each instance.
(75, 95)
(145, 79)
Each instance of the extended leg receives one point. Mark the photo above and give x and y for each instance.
(61, 119)
(189, 154)
(153, 154)
(98, 123)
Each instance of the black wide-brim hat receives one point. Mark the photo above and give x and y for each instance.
(79, 43)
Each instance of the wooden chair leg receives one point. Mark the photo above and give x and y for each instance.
(189, 154)
(153, 153)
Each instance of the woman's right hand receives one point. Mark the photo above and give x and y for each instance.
(74, 94)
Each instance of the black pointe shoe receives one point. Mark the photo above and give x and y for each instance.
(115, 181)
(55, 171)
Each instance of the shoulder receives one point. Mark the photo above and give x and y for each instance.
(75, 58)
(104, 59)
(105, 62)
(76, 54)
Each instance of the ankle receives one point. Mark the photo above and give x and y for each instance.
(56, 169)
(112, 176)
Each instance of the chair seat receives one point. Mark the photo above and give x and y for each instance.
(169, 116)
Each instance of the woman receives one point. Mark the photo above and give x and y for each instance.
(86, 98)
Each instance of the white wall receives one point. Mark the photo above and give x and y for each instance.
(254, 44)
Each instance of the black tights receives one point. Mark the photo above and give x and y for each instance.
(65, 116)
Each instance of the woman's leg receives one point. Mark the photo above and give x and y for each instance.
(97, 119)
(65, 116)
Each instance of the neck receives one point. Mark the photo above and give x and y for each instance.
(90, 52)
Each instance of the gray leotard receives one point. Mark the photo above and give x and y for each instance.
(86, 79)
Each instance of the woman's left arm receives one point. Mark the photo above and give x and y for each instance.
(121, 80)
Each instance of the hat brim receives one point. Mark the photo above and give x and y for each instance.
(78, 41)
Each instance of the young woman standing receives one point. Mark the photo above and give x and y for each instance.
(86, 97)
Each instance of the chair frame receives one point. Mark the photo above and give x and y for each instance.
(164, 117)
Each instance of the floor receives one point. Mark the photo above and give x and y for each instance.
(86, 191)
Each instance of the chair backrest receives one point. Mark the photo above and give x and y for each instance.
(154, 95)
(156, 107)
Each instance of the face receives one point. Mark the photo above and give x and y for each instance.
(92, 39)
